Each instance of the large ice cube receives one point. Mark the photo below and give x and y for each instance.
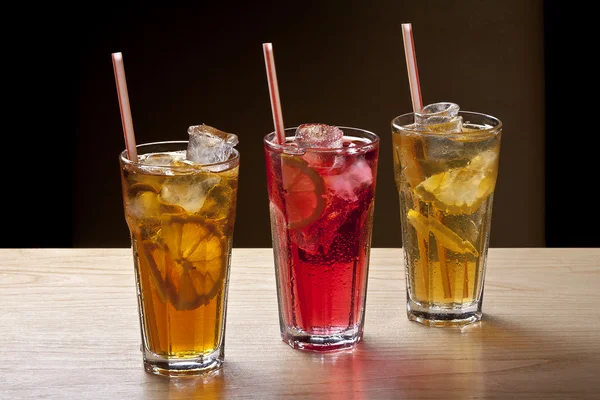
(439, 118)
(319, 136)
(188, 193)
(348, 184)
(208, 145)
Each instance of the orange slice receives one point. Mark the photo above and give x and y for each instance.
(304, 192)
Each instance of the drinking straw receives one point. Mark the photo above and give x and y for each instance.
(123, 95)
(411, 67)
(274, 93)
(417, 103)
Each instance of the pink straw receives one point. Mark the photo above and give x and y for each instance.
(274, 93)
(411, 67)
(130, 148)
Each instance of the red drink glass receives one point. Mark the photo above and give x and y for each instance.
(321, 202)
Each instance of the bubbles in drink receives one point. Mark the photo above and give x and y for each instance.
(208, 145)
(319, 136)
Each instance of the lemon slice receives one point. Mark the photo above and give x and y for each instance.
(194, 241)
(462, 190)
(444, 235)
(190, 267)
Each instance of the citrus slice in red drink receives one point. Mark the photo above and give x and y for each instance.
(304, 192)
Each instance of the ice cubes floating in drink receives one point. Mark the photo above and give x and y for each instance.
(439, 118)
(461, 188)
(319, 136)
(208, 145)
(344, 179)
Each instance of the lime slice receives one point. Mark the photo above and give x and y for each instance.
(444, 235)
(304, 192)
(462, 190)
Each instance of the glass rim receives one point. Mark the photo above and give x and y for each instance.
(369, 135)
(126, 161)
(494, 130)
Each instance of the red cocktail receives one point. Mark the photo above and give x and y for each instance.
(321, 203)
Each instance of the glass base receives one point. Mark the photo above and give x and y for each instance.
(182, 367)
(302, 340)
(443, 317)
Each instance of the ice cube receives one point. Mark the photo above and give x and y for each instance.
(439, 149)
(188, 193)
(439, 118)
(208, 145)
(319, 136)
(154, 163)
(144, 205)
(347, 184)
(163, 159)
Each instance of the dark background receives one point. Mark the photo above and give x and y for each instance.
(340, 63)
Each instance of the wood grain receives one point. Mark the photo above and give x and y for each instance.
(70, 331)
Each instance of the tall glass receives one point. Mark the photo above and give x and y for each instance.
(446, 185)
(321, 203)
(181, 218)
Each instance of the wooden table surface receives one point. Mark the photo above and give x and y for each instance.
(70, 331)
